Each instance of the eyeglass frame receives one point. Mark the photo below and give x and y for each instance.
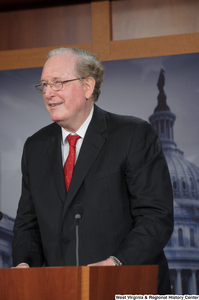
(62, 82)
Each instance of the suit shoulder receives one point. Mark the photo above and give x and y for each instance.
(45, 132)
(124, 124)
(126, 120)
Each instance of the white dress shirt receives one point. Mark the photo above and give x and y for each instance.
(81, 132)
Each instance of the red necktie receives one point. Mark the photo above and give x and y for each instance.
(70, 161)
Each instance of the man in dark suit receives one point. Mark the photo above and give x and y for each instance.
(120, 179)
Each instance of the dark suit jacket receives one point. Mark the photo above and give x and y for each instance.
(121, 180)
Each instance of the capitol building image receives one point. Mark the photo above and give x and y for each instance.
(182, 251)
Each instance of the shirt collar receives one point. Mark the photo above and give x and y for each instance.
(81, 131)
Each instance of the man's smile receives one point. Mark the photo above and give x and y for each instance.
(54, 104)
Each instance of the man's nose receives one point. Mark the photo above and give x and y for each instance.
(48, 91)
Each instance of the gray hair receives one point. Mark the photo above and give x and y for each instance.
(88, 65)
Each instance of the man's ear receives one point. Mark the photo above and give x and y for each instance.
(89, 85)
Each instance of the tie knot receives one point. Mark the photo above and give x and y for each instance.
(72, 139)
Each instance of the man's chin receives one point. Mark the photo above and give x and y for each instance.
(58, 121)
(55, 118)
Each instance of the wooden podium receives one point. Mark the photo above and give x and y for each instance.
(77, 283)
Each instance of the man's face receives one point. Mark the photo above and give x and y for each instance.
(69, 106)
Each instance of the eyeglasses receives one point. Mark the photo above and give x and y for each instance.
(55, 85)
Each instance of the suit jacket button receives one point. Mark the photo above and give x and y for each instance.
(65, 241)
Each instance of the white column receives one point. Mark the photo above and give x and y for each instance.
(159, 129)
(165, 130)
(179, 283)
(170, 130)
(193, 283)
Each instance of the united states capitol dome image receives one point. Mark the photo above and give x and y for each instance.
(182, 250)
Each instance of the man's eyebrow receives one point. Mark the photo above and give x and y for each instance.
(45, 80)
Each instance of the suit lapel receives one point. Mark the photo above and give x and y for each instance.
(55, 158)
(92, 144)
